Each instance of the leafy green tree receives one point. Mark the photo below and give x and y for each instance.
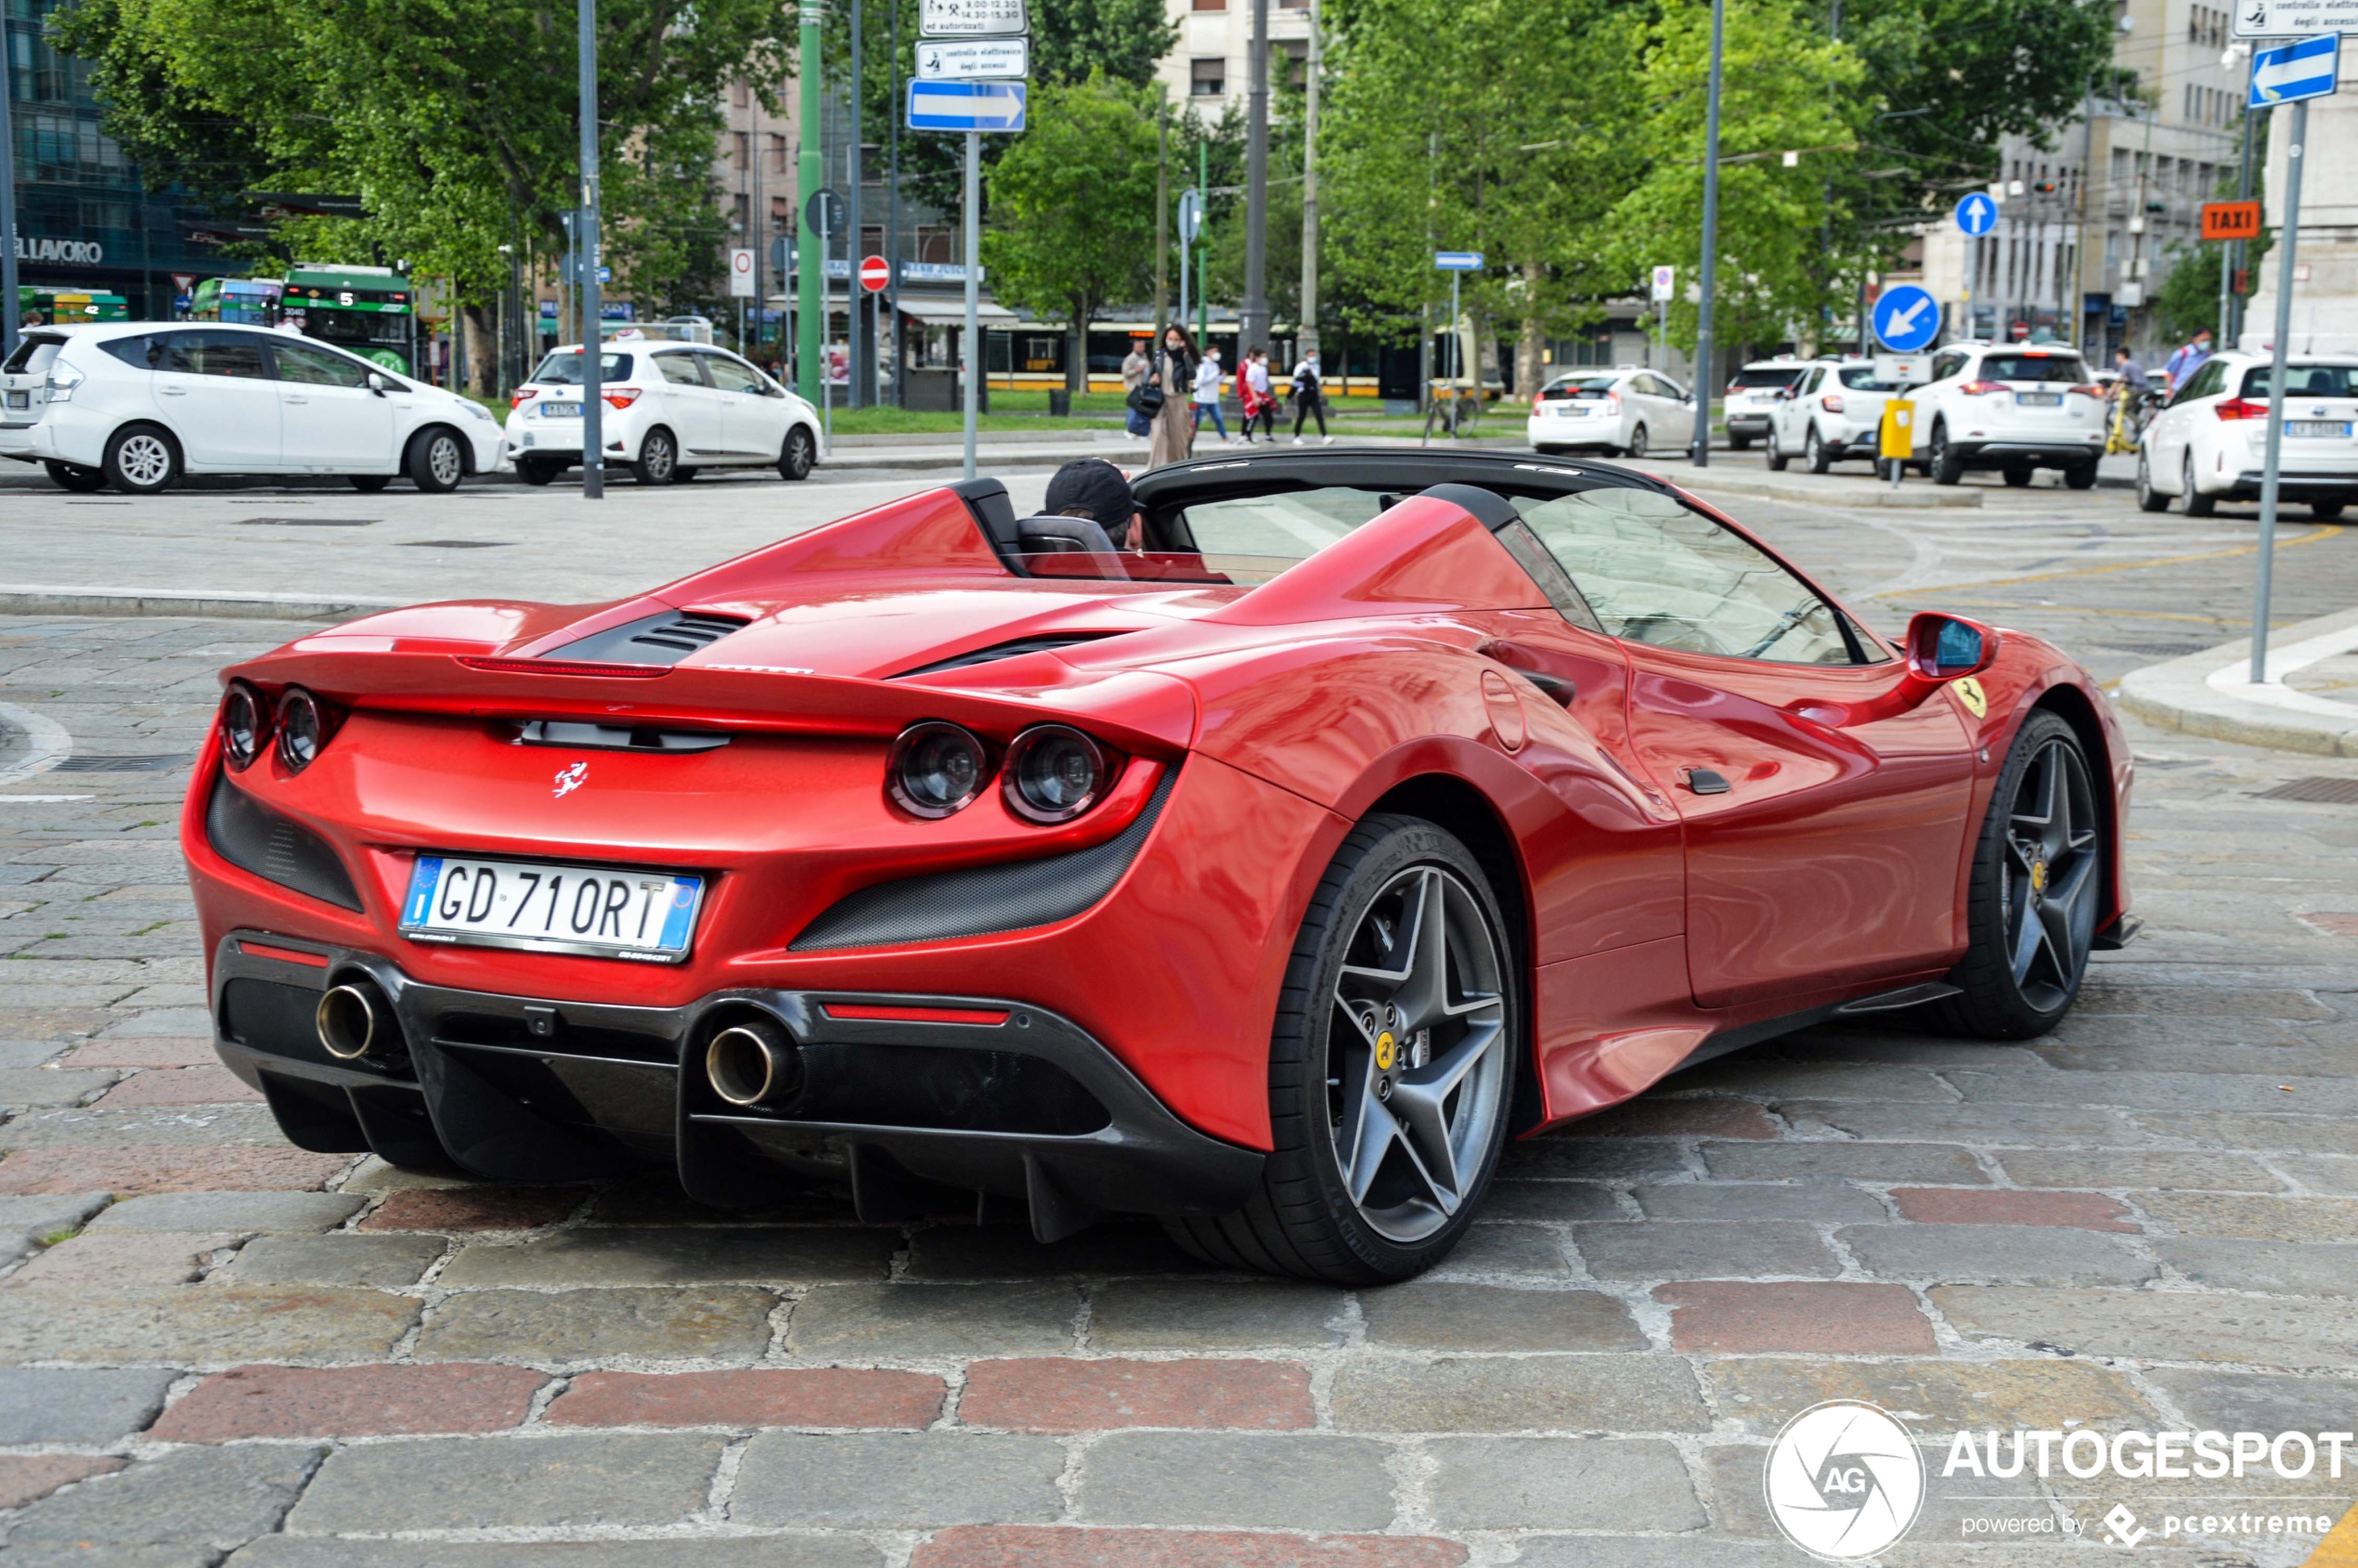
(1072, 207)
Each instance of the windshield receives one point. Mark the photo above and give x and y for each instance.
(2304, 380)
(564, 367)
(2065, 367)
(32, 356)
(1586, 386)
(1783, 375)
(1861, 378)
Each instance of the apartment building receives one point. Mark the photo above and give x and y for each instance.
(1211, 64)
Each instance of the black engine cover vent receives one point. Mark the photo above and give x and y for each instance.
(661, 639)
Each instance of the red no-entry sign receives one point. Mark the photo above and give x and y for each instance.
(875, 274)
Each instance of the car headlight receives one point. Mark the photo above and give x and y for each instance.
(304, 725)
(936, 770)
(245, 725)
(479, 411)
(63, 379)
(1054, 773)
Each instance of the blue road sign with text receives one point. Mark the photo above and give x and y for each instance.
(1976, 215)
(1458, 261)
(1906, 319)
(2292, 72)
(965, 106)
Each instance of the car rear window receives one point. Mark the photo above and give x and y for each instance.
(1587, 386)
(2305, 381)
(1745, 380)
(1861, 378)
(2065, 367)
(564, 367)
(35, 354)
(139, 353)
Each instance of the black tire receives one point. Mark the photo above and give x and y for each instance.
(2148, 498)
(435, 461)
(1306, 1221)
(1544, 450)
(2081, 476)
(142, 459)
(2197, 504)
(537, 471)
(2017, 477)
(2014, 880)
(370, 484)
(2326, 511)
(1774, 454)
(1814, 454)
(684, 475)
(1637, 443)
(1948, 463)
(73, 476)
(801, 456)
(1741, 443)
(658, 457)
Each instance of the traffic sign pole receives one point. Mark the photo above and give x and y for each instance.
(810, 274)
(2272, 475)
(974, 291)
(1705, 375)
(593, 434)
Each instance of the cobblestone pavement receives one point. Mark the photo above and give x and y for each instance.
(215, 1346)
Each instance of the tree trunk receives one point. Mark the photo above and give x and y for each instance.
(483, 352)
(1532, 346)
(1077, 354)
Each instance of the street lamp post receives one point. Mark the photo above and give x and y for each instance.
(1252, 318)
(9, 307)
(593, 435)
(863, 389)
(810, 264)
(1307, 329)
(1703, 372)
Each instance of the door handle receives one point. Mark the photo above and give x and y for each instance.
(1556, 686)
(1704, 781)
(294, 399)
(171, 392)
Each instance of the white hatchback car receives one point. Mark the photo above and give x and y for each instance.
(2012, 407)
(136, 405)
(1753, 393)
(671, 410)
(1833, 413)
(1626, 411)
(2210, 443)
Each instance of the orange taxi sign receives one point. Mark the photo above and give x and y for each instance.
(2231, 220)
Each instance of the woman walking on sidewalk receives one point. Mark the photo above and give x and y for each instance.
(1309, 397)
(1175, 371)
(1208, 394)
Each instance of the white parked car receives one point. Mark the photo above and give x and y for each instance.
(2012, 407)
(136, 405)
(2210, 444)
(671, 410)
(1833, 413)
(1627, 410)
(1752, 398)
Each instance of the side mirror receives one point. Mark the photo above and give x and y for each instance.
(378, 384)
(1947, 648)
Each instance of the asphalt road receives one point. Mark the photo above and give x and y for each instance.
(214, 1344)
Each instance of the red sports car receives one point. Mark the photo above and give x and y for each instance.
(1264, 864)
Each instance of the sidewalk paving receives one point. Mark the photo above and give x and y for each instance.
(2211, 693)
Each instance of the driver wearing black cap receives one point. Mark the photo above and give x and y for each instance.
(1094, 488)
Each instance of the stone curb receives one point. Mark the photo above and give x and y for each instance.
(1917, 494)
(32, 600)
(2177, 695)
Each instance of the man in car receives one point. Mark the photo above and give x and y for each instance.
(1094, 488)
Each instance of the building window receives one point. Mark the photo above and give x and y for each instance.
(1297, 53)
(1209, 4)
(739, 94)
(1207, 79)
(782, 214)
(744, 149)
(742, 221)
(778, 164)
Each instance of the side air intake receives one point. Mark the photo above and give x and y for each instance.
(661, 639)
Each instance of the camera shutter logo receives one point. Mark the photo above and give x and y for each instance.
(1844, 1480)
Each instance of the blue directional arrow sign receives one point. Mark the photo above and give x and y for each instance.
(1906, 319)
(2292, 72)
(965, 106)
(1458, 261)
(1976, 215)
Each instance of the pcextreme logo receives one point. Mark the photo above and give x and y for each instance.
(1844, 1480)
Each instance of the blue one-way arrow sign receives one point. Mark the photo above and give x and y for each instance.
(1976, 215)
(965, 106)
(1906, 319)
(1458, 261)
(2292, 72)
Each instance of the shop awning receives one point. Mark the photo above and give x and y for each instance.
(953, 312)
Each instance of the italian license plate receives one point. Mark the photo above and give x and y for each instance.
(560, 410)
(20, 400)
(2317, 427)
(604, 911)
(2038, 400)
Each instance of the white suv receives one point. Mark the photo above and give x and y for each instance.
(1753, 393)
(1622, 410)
(1835, 412)
(2210, 443)
(2011, 406)
(136, 405)
(671, 408)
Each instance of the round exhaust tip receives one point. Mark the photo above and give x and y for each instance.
(350, 1022)
(753, 1063)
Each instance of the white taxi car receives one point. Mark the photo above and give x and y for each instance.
(136, 405)
(2210, 443)
(1624, 411)
(1835, 412)
(671, 410)
(1753, 393)
(2012, 407)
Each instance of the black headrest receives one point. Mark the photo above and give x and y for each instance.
(1050, 535)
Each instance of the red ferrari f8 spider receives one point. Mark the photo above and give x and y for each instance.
(1264, 872)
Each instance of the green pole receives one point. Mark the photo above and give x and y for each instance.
(1204, 295)
(812, 266)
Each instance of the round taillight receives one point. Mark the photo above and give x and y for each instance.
(303, 730)
(1054, 773)
(936, 768)
(245, 725)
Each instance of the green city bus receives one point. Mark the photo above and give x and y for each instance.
(370, 311)
(67, 307)
(253, 302)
